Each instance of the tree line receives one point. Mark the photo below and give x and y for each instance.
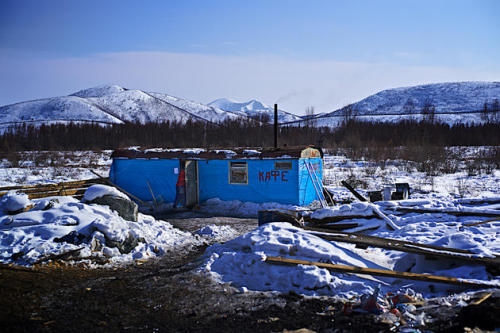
(245, 133)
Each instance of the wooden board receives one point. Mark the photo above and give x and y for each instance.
(69, 192)
(380, 272)
(75, 182)
(334, 219)
(444, 211)
(403, 246)
(482, 222)
(54, 188)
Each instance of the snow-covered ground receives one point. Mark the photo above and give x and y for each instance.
(41, 167)
(63, 226)
(468, 180)
(240, 261)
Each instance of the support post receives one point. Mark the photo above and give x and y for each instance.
(275, 125)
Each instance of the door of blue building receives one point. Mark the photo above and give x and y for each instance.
(191, 169)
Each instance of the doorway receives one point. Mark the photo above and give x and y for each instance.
(191, 169)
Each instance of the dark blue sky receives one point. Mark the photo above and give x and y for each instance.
(457, 37)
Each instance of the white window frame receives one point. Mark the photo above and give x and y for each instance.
(240, 168)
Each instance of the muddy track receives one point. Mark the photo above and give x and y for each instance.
(169, 295)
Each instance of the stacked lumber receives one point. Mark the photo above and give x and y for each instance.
(72, 188)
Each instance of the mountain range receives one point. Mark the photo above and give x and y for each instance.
(456, 102)
(253, 109)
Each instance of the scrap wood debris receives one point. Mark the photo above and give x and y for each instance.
(383, 272)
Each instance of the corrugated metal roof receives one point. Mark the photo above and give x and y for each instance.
(217, 154)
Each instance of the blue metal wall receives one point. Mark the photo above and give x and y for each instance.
(265, 183)
(280, 186)
(307, 193)
(133, 176)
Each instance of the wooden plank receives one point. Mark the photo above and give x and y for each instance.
(70, 192)
(353, 191)
(152, 194)
(55, 188)
(334, 219)
(482, 222)
(403, 246)
(482, 299)
(444, 211)
(339, 226)
(381, 272)
(69, 183)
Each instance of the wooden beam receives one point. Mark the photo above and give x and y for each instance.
(339, 226)
(403, 246)
(77, 191)
(381, 272)
(482, 222)
(74, 182)
(152, 194)
(353, 191)
(469, 212)
(334, 219)
(482, 299)
(54, 188)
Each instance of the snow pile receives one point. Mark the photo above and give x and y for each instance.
(63, 225)
(355, 209)
(241, 209)
(465, 241)
(219, 233)
(98, 191)
(240, 261)
(13, 202)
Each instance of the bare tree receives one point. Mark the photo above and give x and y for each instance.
(409, 106)
(495, 110)
(484, 112)
(349, 113)
(429, 111)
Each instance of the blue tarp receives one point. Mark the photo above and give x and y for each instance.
(133, 176)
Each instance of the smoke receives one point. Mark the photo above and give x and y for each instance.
(288, 96)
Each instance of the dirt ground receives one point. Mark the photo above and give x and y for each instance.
(168, 295)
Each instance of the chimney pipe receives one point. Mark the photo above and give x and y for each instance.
(275, 125)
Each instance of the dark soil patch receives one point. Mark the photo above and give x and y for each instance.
(167, 295)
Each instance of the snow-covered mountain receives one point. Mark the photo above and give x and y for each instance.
(252, 109)
(456, 102)
(110, 104)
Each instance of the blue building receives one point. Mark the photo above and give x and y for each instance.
(287, 176)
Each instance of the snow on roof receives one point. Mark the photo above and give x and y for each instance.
(215, 154)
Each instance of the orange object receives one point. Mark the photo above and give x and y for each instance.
(181, 180)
